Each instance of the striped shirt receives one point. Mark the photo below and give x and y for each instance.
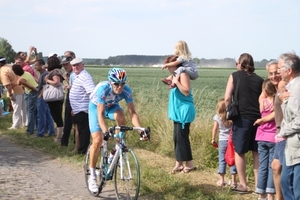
(81, 89)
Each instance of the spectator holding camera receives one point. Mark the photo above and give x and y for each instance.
(19, 60)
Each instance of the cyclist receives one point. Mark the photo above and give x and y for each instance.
(104, 104)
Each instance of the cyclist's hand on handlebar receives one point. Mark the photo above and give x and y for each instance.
(106, 135)
(145, 135)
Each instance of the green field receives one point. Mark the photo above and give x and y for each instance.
(146, 84)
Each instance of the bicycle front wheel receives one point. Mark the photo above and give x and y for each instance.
(128, 186)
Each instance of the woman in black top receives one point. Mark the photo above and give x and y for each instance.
(243, 131)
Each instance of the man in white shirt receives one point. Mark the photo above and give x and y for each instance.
(83, 85)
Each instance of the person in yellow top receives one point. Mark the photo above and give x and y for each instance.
(14, 92)
(28, 81)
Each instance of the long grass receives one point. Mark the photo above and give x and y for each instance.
(156, 157)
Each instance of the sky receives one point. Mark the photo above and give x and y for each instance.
(213, 29)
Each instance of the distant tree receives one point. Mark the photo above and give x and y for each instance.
(6, 50)
(197, 61)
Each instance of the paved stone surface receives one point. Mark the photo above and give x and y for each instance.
(28, 174)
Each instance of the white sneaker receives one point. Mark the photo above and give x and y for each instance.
(93, 184)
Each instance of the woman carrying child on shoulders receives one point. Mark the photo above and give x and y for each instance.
(184, 62)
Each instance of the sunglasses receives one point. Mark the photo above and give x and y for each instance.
(119, 84)
(69, 58)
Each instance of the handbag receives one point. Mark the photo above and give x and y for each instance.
(229, 154)
(232, 110)
(53, 93)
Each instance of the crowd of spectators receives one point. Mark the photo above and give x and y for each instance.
(24, 81)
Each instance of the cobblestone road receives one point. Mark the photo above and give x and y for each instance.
(28, 174)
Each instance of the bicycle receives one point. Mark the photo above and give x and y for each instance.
(123, 165)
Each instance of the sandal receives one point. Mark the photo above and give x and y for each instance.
(220, 183)
(235, 189)
(57, 139)
(166, 81)
(176, 170)
(232, 185)
(187, 170)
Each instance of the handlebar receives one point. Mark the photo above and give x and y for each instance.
(144, 132)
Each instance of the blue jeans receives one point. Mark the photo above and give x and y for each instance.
(222, 164)
(45, 121)
(289, 181)
(31, 109)
(279, 151)
(265, 183)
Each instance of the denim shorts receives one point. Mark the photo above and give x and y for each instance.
(243, 136)
(279, 151)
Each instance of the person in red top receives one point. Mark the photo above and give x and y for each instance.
(27, 58)
(26, 67)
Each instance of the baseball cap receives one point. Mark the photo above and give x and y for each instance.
(66, 60)
(52, 54)
(76, 61)
(2, 60)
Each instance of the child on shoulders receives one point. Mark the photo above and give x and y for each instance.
(184, 60)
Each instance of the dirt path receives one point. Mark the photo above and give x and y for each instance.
(28, 174)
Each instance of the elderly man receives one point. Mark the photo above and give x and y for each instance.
(14, 92)
(82, 86)
(289, 68)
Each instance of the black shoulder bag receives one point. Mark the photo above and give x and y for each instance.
(232, 110)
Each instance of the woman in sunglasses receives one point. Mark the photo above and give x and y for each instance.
(104, 104)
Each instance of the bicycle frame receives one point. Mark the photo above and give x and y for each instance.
(118, 154)
(123, 169)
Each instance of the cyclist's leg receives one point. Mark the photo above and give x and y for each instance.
(94, 150)
(116, 113)
(96, 134)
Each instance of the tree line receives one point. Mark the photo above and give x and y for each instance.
(7, 51)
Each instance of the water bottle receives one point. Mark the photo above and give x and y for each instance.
(111, 155)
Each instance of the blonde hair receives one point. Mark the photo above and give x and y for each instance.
(221, 111)
(182, 50)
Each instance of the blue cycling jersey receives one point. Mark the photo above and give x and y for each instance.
(103, 94)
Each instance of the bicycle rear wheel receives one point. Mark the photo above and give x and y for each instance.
(100, 173)
(129, 186)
